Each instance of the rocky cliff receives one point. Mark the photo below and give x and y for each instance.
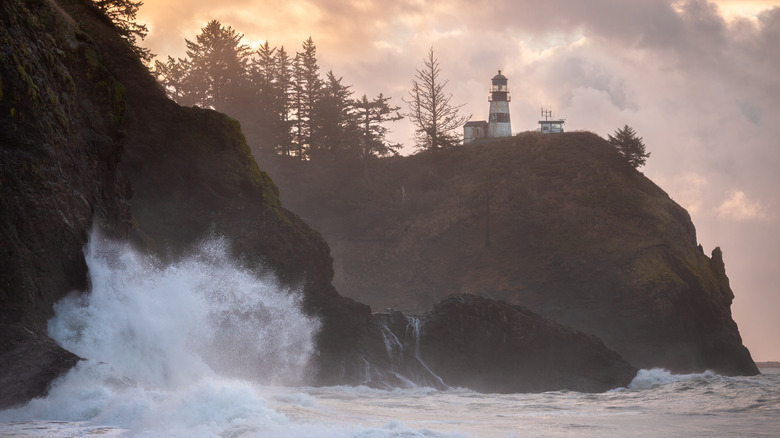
(89, 141)
(61, 114)
(557, 223)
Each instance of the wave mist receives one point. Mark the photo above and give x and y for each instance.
(195, 338)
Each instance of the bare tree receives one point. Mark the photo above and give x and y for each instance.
(430, 109)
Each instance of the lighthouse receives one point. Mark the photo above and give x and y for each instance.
(498, 121)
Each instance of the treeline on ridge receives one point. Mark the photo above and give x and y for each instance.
(283, 103)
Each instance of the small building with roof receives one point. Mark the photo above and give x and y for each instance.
(474, 130)
(550, 125)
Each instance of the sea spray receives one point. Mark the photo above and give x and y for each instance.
(169, 325)
(175, 346)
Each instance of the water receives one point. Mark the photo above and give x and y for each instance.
(208, 348)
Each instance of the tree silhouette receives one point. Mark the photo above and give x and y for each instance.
(430, 110)
(122, 13)
(631, 147)
(333, 119)
(171, 76)
(371, 114)
(285, 89)
(263, 124)
(307, 87)
(285, 107)
(217, 67)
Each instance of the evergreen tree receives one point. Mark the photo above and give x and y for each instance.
(298, 113)
(434, 117)
(283, 105)
(370, 115)
(307, 92)
(217, 67)
(171, 75)
(122, 13)
(631, 147)
(262, 125)
(335, 130)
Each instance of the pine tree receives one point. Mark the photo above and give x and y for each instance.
(122, 13)
(307, 91)
(631, 147)
(262, 124)
(430, 110)
(217, 65)
(171, 75)
(371, 115)
(283, 105)
(335, 130)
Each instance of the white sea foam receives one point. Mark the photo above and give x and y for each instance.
(170, 325)
(645, 379)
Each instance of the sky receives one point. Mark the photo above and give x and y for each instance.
(698, 80)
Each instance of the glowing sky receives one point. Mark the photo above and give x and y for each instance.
(700, 81)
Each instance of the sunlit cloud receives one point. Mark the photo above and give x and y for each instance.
(739, 207)
(737, 9)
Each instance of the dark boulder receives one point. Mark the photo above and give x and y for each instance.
(491, 346)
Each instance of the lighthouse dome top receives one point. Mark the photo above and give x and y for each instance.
(499, 77)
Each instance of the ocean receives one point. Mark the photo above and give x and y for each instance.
(175, 351)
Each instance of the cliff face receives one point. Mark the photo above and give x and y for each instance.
(556, 223)
(61, 113)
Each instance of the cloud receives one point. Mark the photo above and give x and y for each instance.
(689, 189)
(739, 207)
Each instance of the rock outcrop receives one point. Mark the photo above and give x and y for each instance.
(492, 346)
(556, 223)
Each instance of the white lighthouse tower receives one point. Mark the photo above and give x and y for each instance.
(498, 122)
